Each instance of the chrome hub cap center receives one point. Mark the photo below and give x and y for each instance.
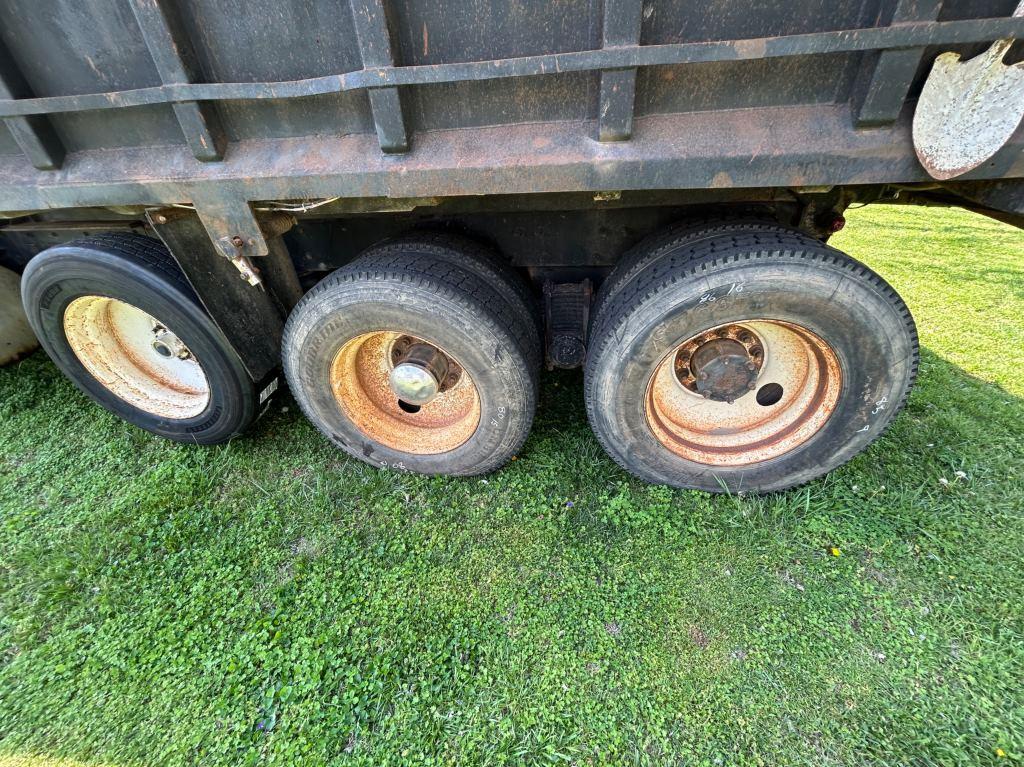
(413, 384)
(419, 372)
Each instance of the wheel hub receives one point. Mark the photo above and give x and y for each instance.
(720, 365)
(416, 379)
(168, 345)
(420, 371)
(382, 404)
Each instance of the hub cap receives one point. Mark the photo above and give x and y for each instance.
(743, 393)
(136, 357)
(405, 393)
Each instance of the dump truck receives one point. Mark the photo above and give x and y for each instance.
(403, 210)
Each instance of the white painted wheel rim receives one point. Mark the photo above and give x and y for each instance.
(808, 377)
(118, 344)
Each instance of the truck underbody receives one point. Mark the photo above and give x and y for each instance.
(564, 168)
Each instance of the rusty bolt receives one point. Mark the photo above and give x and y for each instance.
(237, 241)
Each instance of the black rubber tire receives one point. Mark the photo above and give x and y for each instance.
(651, 248)
(139, 271)
(486, 264)
(430, 288)
(786, 276)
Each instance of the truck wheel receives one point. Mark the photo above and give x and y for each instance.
(751, 360)
(413, 357)
(118, 318)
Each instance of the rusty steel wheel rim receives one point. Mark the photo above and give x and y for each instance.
(783, 382)
(136, 357)
(360, 381)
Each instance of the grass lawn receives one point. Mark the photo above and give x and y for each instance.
(273, 602)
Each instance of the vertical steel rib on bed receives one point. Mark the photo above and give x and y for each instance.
(176, 63)
(889, 78)
(34, 134)
(371, 23)
(618, 86)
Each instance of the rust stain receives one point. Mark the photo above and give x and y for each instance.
(750, 49)
(359, 380)
(752, 428)
(426, 40)
(722, 180)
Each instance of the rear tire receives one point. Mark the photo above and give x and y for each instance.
(651, 248)
(845, 347)
(340, 348)
(93, 303)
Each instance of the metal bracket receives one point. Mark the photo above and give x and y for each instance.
(231, 249)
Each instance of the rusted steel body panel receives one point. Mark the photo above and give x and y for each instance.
(220, 104)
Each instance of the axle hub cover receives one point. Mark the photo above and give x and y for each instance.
(723, 369)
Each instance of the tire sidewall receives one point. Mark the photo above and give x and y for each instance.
(507, 392)
(56, 278)
(866, 332)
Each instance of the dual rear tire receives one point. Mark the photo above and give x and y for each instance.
(347, 335)
(746, 359)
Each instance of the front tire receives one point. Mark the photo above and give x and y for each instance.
(823, 353)
(116, 315)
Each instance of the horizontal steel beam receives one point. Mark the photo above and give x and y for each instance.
(741, 148)
(837, 41)
(33, 134)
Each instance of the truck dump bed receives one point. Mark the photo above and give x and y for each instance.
(221, 103)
